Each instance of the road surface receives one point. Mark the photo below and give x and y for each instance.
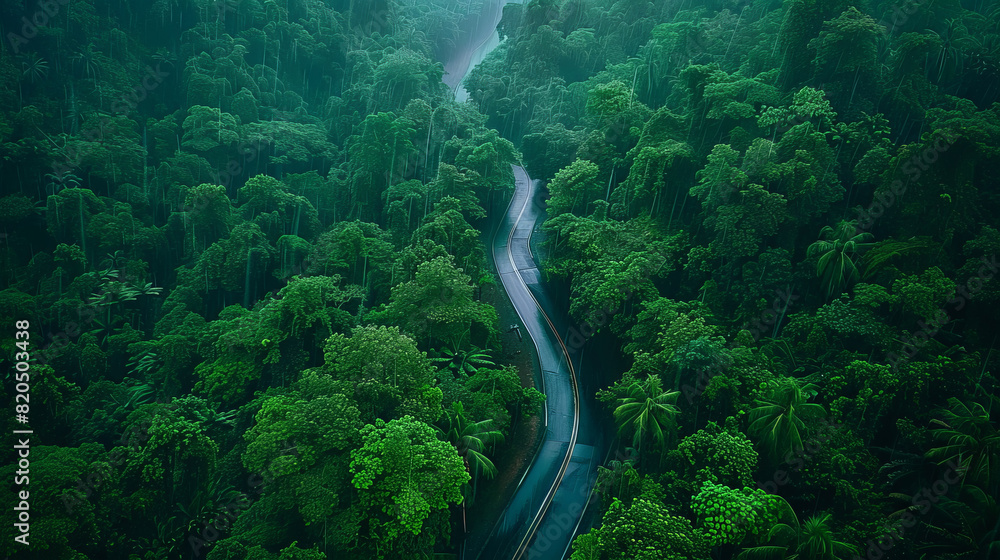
(547, 507)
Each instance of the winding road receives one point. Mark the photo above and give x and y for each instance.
(550, 501)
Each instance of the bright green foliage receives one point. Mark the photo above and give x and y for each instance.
(464, 362)
(729, 516)
(299, 446)
(225, 379)
(265, 200)
(493, 394)
(573, 187)
(208, 214)
(735, 96)
(684, 345)
(357, 251)
(742, 227)
(289, 170)
(447, 226)
(719, 179)
(618, 481)
(232, 549)
(545, 153)
(663, 311)
(847, 45)
(729, 457)
(315, 419)
(609, 262)
(237, 263)
(372, 155)
(293, 143)
(406, 479)
(657, 173)
(643, 531)
(809, 105)
(882, 253)
(856, 322)
(389, 377)
(471, 438)
(437, 305)
(804, 175)
(607, 101)
(455, 189)
(312, 302)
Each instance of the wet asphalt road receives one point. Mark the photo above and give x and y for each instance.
(543, 514)
(549, 503)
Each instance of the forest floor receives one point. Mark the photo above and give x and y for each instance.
(514, 456)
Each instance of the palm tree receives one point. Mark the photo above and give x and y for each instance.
(969, 437)
(835, 250)
(779, 418)
(35, 69)
(59, 181)
(885, 251)
(135, 396)
(471, 439)
(816, 540)
(948, 58)
(970, 528)
(790, 541)
(647, 411)
(88, 58)
(164, 56)
(618, 480)
(465, 362)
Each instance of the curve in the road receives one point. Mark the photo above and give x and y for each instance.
(560, 478)
(517, 269)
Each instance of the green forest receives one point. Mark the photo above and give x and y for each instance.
(250, 308)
